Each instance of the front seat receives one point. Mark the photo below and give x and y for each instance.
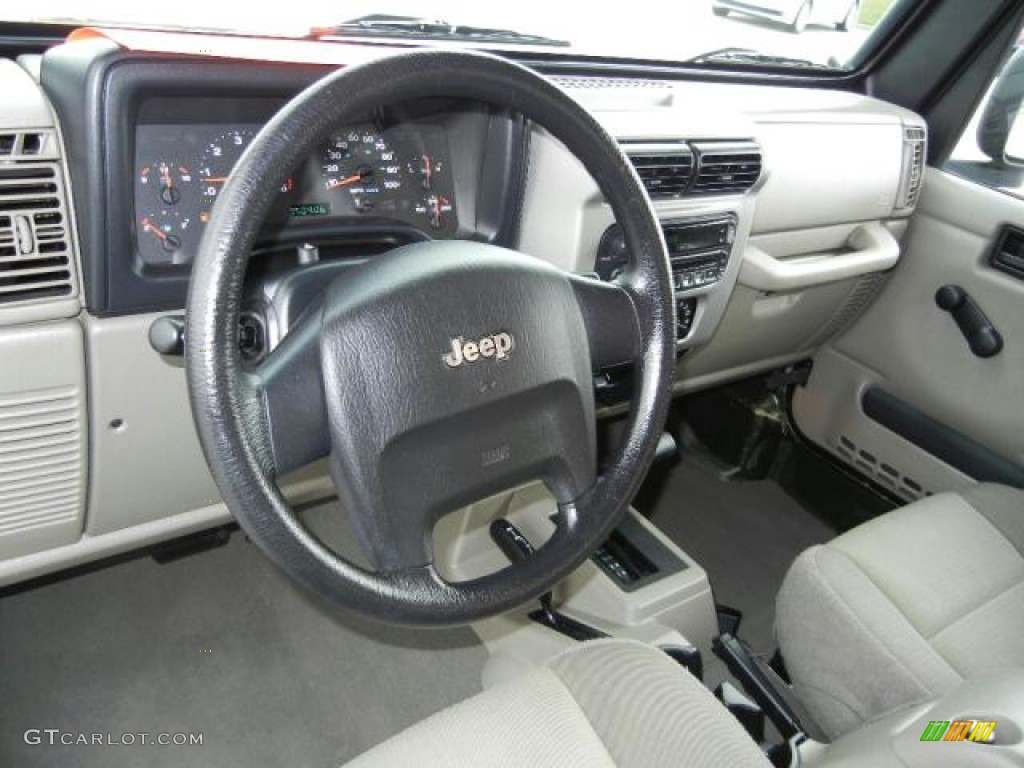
(604, 703)
(906, 606)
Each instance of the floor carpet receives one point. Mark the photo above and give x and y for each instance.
(220, 644)
(744, 533)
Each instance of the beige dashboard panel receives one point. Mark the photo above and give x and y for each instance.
(764, 329)
(146, 459)
(42, 437)
(826, 173)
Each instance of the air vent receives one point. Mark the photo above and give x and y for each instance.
(665, 169)
(726, 167)
(914, 144)
(35, 257)
(27, 145)
(40, 458)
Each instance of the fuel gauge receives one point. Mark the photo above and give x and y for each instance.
(169, 181)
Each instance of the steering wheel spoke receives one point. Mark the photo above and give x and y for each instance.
(613, 330)
(290, 385)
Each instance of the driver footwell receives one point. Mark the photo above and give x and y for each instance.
(220, 644)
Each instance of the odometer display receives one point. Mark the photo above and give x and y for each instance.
(303, 210)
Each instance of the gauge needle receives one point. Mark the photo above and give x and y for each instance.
(146, 225)
(217, 180)
(428, 171)
(359, 175)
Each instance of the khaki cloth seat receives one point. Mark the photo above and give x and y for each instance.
(903, 608)
(605, 703)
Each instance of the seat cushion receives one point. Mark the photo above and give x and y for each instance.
(605, 703)
(904, 607)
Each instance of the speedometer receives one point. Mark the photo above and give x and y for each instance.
(359, 165)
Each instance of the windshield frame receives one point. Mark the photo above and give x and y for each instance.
(20, 35)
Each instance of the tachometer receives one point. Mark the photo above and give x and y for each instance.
(359, 165)
(218, 160)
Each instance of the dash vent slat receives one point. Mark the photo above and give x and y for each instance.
(726, 167)
(27, 145)
(915, 142)
(35, 260)
(665, 170)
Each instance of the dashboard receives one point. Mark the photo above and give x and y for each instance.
(128, 151)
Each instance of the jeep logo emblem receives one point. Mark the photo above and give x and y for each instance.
(498, 346)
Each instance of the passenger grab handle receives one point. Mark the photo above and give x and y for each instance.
(869, 248)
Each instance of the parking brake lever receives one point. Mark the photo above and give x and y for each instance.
(517, 548)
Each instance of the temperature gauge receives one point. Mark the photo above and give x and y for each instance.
(164, 231)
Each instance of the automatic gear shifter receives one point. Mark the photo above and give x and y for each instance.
(516, 547)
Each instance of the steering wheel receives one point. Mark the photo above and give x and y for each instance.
(436, 374)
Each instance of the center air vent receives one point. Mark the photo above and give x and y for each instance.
(35, 258)
(665, 169)
(726, 167)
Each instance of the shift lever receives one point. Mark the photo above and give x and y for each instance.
(516, 547)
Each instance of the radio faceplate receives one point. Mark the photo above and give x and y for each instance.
(698, 248)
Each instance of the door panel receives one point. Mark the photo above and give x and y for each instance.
(940, 415)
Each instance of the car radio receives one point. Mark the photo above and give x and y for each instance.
(698, 249)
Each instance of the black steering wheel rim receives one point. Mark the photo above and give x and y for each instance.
(231, 411)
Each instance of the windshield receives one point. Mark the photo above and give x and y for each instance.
(793, 32)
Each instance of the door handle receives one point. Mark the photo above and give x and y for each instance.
(982, 337)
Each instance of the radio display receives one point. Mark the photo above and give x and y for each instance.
(689, 238)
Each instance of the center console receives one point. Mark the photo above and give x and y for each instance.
(639, 585)
(699, 249)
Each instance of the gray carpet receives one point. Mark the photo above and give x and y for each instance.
(744, 533)
(220, 644)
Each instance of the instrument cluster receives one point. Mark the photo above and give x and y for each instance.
(399, 173)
